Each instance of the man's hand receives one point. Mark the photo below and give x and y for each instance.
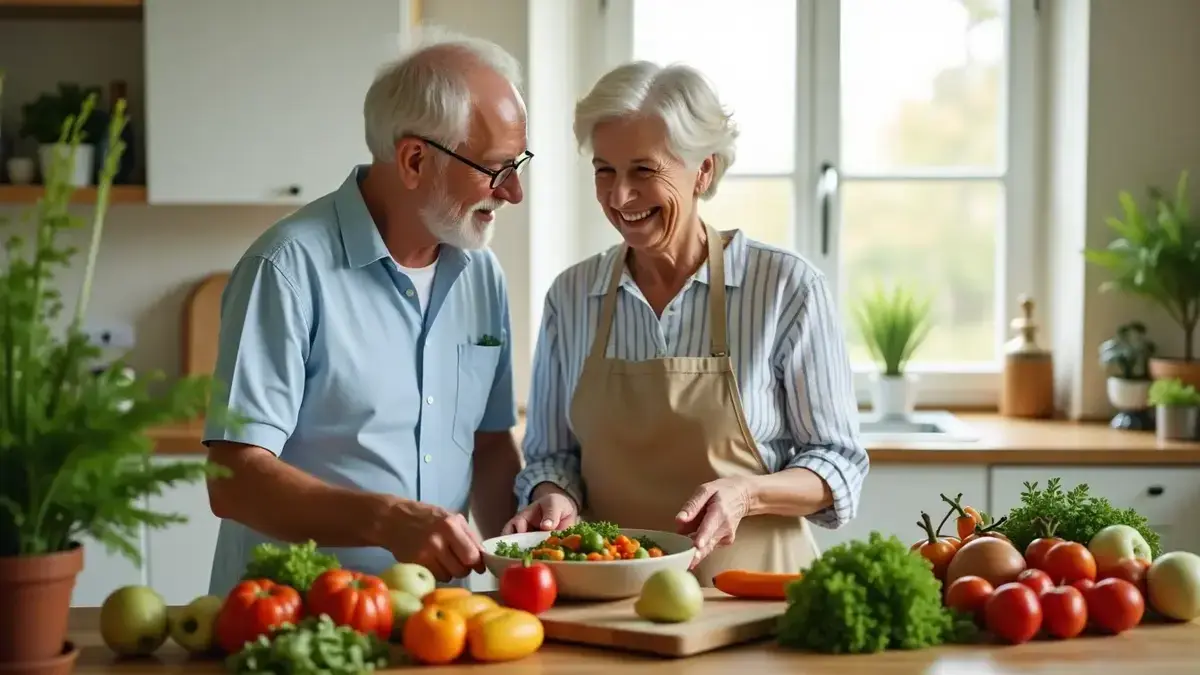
(551, 509)
(437, 539)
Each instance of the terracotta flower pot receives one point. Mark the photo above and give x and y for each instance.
(35, 603)
(1187, 372)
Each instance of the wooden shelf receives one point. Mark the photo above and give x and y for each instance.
(29, 194)
(70, 9)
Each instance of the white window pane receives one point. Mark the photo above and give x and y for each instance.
(748, 51)
(922, 84)
(938, 235)
(759, 207)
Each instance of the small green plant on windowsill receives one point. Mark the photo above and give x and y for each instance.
(893, 324)
(1173, 393)
(1127, 355)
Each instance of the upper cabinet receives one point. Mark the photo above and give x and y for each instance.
(261, 102)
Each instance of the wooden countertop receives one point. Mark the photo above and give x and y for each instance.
(1161, 649)
(1002, 441)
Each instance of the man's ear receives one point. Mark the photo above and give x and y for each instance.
(412, 158)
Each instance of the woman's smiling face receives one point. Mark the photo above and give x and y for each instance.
(646, 192)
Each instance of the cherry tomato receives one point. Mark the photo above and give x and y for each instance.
(966, 523)
(1013, 613)
(1069, 561)
(938, 552)
(968, 595)
(1132, 570)
(1035, 552)
(1115, 605)
(992, 533)
(1064, 612)
(1037, 580)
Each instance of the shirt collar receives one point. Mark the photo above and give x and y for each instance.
(735, 265)
(360, 235)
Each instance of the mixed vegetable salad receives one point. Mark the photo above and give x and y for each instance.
(585, 542)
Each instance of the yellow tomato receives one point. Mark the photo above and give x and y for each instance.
(503, 634)
(468, 606)
(440, 595)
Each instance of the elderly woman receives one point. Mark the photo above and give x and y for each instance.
(689, 379)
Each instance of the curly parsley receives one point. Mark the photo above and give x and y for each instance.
(1077, 515)
(297, 565)
(314, 647)
(868, 596)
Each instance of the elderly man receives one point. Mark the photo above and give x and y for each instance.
(365, 338)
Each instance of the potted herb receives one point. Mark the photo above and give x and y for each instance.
(44, 117)
(75, 460)
(893, 325)
(1178, 409)
(1126, 359)
(1156, 256)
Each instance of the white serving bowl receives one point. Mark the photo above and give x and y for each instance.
(599, 579)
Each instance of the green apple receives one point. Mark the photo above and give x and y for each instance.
(1116, 543)
(133, 621)
(411, 578)
(1173, 585)
(404, 605)
(192, 627)
(670, 596)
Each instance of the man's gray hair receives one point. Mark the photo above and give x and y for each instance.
(697, 123)
(419, 95)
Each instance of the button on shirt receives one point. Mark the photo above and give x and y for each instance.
(788, 354)
(348, 370)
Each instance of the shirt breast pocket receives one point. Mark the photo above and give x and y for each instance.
(476, 371)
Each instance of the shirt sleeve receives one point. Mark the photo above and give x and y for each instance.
(262, 348)
(821, 405)
(501, 411)
(551, 450)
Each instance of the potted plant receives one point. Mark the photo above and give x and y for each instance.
(75, 460)
(1156, 256)
(1178, 408)
(1126, 359)
(44, 117)
(893, 325)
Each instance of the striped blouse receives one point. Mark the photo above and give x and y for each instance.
(788, 351)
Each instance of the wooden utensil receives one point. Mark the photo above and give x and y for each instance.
(201, 325)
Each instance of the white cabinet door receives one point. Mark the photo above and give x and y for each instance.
(180, 556)
(1168, 496)
(261, 102)
(894, 495)
(104, 572)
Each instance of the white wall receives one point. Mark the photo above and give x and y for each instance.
(1132, 120)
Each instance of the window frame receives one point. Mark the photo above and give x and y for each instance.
(1019, 263)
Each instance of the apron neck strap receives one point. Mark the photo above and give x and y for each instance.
(716, 297)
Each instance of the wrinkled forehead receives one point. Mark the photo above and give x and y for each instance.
(629, 139)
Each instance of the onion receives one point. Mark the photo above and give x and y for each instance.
(990, 558)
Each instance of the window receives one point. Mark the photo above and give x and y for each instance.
(885, 141)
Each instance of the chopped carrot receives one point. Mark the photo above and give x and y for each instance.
(552, 541)
(571, 542)
(594, 556)
(655, 552)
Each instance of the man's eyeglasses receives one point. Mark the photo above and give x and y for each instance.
(498, 176)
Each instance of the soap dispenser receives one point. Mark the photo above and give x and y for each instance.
(1028, 389)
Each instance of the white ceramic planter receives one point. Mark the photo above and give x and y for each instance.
(79, 175)
(1128, 394)
(893, 396)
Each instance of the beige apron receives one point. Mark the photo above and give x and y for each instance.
(651, 432)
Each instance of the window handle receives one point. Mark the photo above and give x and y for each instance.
(827, 187)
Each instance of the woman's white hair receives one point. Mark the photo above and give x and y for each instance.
(697, 123)
(421, 94)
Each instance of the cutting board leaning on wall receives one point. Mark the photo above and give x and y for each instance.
(201, 325)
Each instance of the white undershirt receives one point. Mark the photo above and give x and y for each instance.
(422, 281)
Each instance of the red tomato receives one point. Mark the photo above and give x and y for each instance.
(1013, 613)
(1132, 570)
(255, 607)
(1069, 561)
(1064, 612)
(1037, 580)
(528, 586)
(360, 601)
(1035, 552)
(1115, 605)
(1083, 585)
(968, 595)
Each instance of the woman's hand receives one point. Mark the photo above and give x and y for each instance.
(712, 515)
(551, 509)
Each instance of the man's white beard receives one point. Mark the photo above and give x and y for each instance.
(444, 221)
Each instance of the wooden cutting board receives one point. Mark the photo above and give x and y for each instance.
(201, 325)
(724, 621)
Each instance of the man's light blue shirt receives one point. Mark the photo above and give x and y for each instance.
(324, 349)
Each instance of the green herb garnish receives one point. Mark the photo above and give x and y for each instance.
(297, 565)
(1078, 515)
(316, 646)
(868, 596)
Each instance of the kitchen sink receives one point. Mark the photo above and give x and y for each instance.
(920, 427)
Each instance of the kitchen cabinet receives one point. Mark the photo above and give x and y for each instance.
(1168, 496)
(261, 102)
(894, 495)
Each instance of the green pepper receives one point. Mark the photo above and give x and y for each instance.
(591, 542)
